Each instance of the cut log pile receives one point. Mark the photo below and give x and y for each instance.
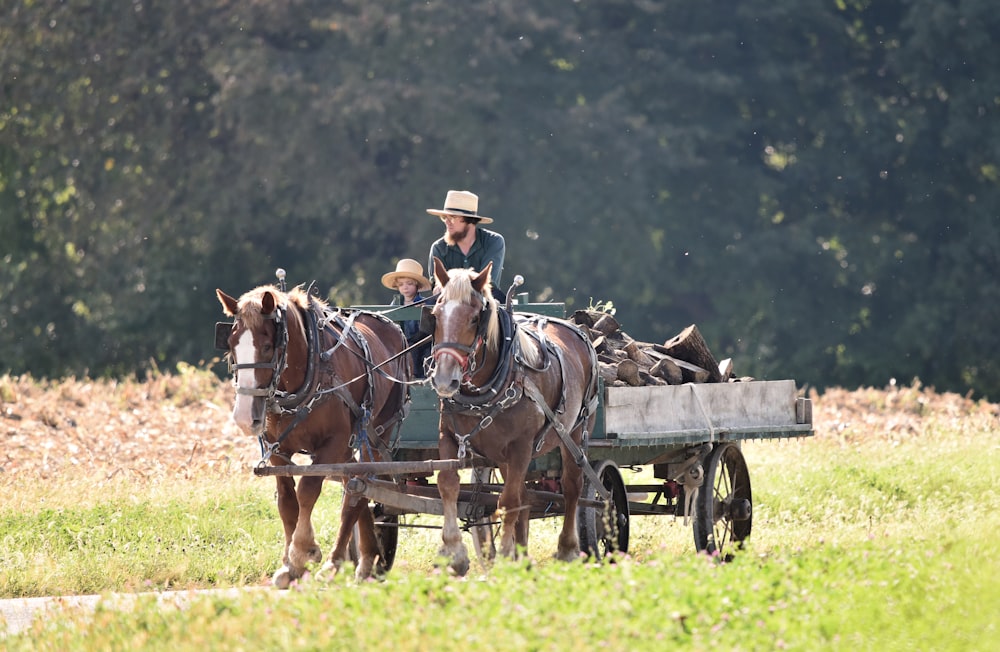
(685, 358)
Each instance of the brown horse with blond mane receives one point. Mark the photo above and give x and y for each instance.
(511, 388)
(321, 382)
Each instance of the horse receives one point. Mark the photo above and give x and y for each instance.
(322, 382)
(511, 388)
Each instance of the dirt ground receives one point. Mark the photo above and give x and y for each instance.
(180, 424)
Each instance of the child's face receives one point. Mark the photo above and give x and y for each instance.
(407, 287)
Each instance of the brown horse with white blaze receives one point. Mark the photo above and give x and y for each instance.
(322, 382)
(511, 388)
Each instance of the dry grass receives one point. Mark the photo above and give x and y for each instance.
(91, 433)
(169, 426)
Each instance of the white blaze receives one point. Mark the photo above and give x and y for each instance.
(245, 353)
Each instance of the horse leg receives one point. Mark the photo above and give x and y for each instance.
(355, 510)
(451, 536)
(288, 510)
(511, 501)
(301, 546)
(572, 487)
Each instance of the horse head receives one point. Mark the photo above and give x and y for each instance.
(465, 327)
(258, 348)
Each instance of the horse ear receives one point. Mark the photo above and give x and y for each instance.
(229, 305)
(440, 273)
(483, 278)
(267, 303)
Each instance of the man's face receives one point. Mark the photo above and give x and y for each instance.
(456, 227)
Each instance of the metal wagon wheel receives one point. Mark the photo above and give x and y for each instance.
(602, 533)
(387, 536)
(724, 507)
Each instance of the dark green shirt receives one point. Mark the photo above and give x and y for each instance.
(489, 246)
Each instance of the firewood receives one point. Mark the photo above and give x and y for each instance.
(582, 318)
(690, 346)
(608, 357)
(666, 369)
(636, 354)
(726, 369)
(628, 371)
(696, 375)
(649, 379)
(609, 372)
(607, 325)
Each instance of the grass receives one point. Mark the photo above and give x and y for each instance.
(876, 538)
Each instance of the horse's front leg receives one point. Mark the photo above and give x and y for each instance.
(288, 511)
(448, 487)
(296, 511)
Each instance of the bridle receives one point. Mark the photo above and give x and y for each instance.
(279, 360)
(463, 354)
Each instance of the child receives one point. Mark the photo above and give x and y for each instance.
(409, 282)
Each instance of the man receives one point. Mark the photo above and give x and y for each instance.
(465, 244)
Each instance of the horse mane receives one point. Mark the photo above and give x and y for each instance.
(251, 304)
(459, 288)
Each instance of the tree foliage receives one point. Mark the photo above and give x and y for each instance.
(815, 184)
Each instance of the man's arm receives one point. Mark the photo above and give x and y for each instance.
(494, 251)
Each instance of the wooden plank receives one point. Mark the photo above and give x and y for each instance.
(644, 411)
(349, 469)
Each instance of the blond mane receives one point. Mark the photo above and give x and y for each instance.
(251, 303)
(459, 288)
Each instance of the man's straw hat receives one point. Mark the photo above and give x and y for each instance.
(406, 268)
(463, 204)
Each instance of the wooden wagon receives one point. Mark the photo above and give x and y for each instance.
(690, 434)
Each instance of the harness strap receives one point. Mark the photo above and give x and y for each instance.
(532, 392)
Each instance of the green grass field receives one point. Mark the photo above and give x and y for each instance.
(874, 535)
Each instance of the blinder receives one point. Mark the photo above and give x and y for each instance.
(427, 320)
(223, 329)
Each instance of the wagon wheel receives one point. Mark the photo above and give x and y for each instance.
(387, 536)
(605, 532)
(484, 533)
(723, 509)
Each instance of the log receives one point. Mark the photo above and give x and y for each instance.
(690, 346)
(610, 357)
(582, 318)
(726, 369)
(636, 354)
(628, 371)
(607, 325)
(668, 370)
(649, 379)
(609, 372)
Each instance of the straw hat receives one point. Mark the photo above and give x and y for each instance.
(406, 268)
(463, 204)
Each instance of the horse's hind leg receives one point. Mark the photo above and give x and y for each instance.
(572, 487)
(514, 508)
(355, 511)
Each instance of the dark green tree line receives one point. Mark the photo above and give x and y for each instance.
(813, 183)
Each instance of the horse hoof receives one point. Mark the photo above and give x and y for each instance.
(364, 570)
(282, 578)
(460, 566)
